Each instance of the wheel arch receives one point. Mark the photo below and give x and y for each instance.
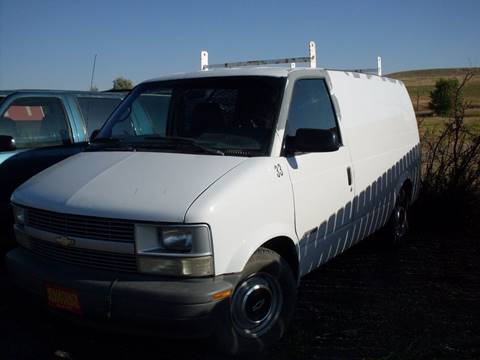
(286, 248)
(404, 181)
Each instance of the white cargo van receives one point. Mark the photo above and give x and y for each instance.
(207, 196)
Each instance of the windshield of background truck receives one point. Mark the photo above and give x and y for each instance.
(229, 115)
(35, 122)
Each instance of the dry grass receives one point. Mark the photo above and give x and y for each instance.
(435, 123)
(421, 82)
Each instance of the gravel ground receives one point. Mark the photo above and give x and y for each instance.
(421, 301)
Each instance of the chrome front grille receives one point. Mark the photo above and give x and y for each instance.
(81, 226)
(84, 257)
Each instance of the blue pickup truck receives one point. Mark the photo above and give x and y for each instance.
(39, 128)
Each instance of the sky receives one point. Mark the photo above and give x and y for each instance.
(50, 44)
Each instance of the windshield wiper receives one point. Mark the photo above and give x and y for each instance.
(110, 144)
(176, 141)
(150, 142)
(105, 140)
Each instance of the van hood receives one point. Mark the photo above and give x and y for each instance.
(144, 186)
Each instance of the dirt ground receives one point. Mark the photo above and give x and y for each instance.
(421, 301)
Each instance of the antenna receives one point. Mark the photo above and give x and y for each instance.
(379, 65)
(93, 71)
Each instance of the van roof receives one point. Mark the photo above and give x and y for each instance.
(252, 71)
(241, 71)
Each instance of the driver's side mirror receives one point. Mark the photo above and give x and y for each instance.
(312, 140)
(7, 143)
(94, 134)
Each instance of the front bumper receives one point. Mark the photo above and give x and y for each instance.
(174, 308)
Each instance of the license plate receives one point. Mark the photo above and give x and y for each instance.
(63, 298)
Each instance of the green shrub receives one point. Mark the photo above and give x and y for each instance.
(443, 96)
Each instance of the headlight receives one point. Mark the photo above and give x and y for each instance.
(176, 239)
(174, 250)
(18, 215)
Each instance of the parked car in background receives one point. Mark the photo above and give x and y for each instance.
(4, 94)
(207, 196)
(38, 128)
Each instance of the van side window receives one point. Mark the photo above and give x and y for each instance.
(36, 122)
(311, 107)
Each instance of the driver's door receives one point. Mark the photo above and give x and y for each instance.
(322, 181)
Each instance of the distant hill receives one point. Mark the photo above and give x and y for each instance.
(421, 82)
(429, 76)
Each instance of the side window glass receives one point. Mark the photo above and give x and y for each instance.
(95, 111)
(311, 107)
(36, 122)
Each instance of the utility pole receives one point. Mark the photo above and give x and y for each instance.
(93, 71)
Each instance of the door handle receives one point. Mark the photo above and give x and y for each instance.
(349, 176)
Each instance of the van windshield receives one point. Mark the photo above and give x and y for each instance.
(215, 115)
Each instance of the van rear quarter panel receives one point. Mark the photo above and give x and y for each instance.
(379, 124)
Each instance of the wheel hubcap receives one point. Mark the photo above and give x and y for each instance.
(256, 304)
(401, 224)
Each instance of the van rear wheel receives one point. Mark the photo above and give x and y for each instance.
(261, 306)
(398, 225)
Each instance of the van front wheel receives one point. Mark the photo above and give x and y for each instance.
(261, 306)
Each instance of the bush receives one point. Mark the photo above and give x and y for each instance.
(451, 166)
(442, 98)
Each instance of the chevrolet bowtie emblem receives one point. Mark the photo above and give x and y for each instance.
(65, 241)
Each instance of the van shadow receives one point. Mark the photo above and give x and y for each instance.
(368, 212)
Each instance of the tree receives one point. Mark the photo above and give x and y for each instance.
(443, 97)
(121, 83)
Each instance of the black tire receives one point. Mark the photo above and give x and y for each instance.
(398, 227)
(261, 306)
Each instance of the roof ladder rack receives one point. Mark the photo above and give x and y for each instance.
(377, 71)
(310, 59)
